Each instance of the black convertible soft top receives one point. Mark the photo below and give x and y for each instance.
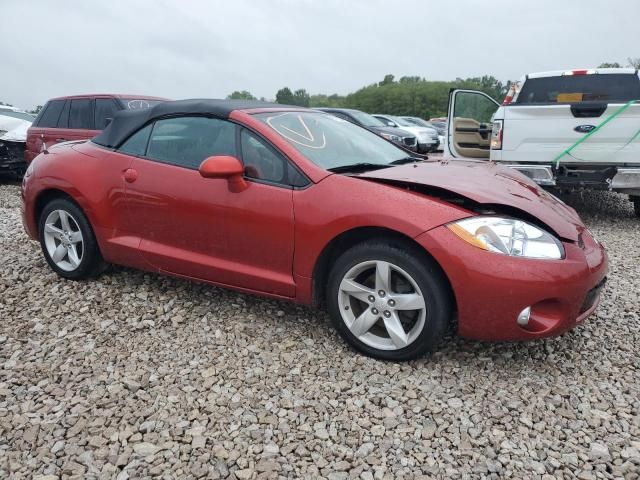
(127, 122)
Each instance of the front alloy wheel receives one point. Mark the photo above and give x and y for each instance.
(389, 301)
(382, 305)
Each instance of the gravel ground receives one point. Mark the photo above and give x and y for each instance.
(137, 375)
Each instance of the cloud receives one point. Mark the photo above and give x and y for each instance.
(208, 48)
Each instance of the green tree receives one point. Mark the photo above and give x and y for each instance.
(634, 62)
(301, 98)
(388, 80)
(36, 110)
(284, 96)
(321, 100)
(241, 95)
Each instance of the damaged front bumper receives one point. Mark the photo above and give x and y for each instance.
(12, 160)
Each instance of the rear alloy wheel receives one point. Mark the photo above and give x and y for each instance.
(387, 303)
(67, 240)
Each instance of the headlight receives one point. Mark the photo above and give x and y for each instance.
(393, 138)
(496, 135)
(508, 236)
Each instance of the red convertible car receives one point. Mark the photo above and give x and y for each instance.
(300, 205)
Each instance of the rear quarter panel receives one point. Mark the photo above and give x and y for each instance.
(92, 177)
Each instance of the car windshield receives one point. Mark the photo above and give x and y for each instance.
(366, 119)
(21, 115)
(417, 121)
(402, 122)
(139, 103)
(331, 142)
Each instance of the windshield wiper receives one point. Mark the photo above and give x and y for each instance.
(362, 166)
(402, 161)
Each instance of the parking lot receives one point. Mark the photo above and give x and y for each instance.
(137, 374)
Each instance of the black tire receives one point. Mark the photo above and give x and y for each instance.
(91, 262)
(424, 272)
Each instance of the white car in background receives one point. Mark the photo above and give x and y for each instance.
(427, 136)
(571, 129)
(13, 136)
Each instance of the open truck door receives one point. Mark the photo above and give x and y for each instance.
(470, 124)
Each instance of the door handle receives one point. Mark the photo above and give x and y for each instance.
(130, 175)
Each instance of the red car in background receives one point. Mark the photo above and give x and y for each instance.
(300, 205)
(79, 117)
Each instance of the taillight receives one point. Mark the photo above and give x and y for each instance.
(496, 135)
(579, 72)
(514, 89)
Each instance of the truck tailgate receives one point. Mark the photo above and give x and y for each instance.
(539, 133)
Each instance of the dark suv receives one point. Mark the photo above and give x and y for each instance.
(78, 117)
(401, 137)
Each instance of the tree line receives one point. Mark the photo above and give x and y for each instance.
(409, 95)
(414, 96)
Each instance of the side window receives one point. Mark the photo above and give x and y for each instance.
(474, 105)
(136, 144)
(105, 109)
(260, 161)
(63, 121)
(81, 114)
(187, 141)
(51, 114)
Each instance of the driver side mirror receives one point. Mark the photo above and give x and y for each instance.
(225, 166)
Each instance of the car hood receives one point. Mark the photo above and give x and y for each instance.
(488, 184)
(15, 128)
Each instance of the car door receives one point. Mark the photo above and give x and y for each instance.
(74, 123)
(44, 130)
(469, 124)
(197, 227)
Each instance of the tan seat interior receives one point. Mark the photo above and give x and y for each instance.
(468, 139)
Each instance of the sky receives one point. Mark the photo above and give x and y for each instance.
(209, 48)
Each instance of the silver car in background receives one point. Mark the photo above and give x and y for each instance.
(428, 140)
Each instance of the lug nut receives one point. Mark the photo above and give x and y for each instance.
(374, 311)
(372, 298)
(392, 302)
(382, 293)
(387, 313)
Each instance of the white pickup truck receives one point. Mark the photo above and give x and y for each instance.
(564, 129)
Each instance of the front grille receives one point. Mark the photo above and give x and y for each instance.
(592, 296)
(411, 141)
